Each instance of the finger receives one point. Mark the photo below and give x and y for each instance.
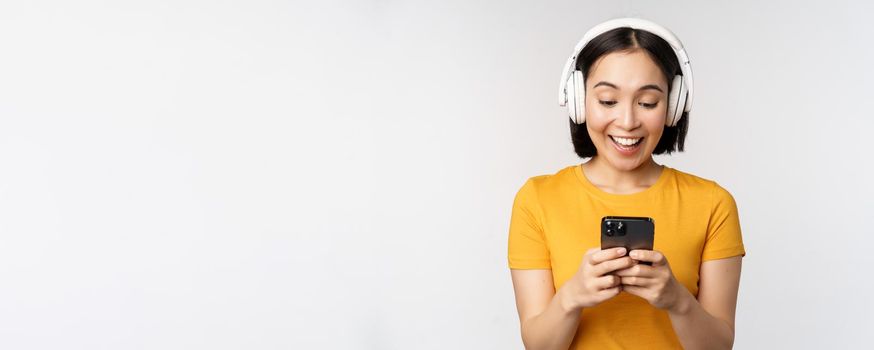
(653, 256)
(636, 290)
(607, 254)
(628, 271)
(591, 251)
(637, 281)
(613, 265)
(607, 282)
(587, 258)
(610, 292)
(638, 270)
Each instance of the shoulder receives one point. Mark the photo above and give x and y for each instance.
(546, 183)
(706, 188)
(547, 188)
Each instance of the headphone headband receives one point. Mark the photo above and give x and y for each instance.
(634, 23)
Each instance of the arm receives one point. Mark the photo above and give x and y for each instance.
(705, 323)
(708, 322)
(549, 319)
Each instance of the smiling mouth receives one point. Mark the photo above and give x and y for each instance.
(626, 144)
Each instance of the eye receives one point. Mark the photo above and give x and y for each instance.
(649, 105)
(607, 103)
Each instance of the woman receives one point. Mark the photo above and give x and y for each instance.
(628, 97)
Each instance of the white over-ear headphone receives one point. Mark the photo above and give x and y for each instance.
(572, 91)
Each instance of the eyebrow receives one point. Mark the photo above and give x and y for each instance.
(645, 87)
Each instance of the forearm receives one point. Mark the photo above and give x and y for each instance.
(555, 327)
(696, 328)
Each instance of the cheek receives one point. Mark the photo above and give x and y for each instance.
(597, 120)
(595, 126)
(654, 122)
(655, 135)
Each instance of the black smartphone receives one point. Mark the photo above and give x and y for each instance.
(630, 232)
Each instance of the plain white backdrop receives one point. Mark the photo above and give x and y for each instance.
(339, 174)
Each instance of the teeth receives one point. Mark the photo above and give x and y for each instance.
(625, 141)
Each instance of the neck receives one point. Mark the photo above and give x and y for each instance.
(607, 177)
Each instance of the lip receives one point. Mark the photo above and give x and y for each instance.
(624, 151)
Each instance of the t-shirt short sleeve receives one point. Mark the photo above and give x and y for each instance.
(527, 247)
(723, 230)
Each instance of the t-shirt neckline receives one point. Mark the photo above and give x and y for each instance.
(622, 198)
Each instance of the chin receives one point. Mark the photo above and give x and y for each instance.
(624, 164)
(628, 162)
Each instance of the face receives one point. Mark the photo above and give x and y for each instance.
(626, 106)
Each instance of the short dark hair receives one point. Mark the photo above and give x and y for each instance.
(628, 39)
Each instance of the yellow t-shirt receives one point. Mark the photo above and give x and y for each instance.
(557, 218)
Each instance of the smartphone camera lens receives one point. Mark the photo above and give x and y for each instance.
(609, 226)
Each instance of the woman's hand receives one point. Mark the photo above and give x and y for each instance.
(654, 283)
(593, 283)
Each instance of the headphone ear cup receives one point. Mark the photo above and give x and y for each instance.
(571, 101)
(578, 94)
(676, 101)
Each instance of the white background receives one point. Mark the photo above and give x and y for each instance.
(339, 174)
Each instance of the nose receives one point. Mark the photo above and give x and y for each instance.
(627, 119)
